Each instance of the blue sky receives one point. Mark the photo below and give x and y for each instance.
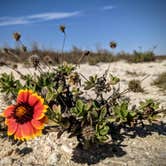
(90, 24)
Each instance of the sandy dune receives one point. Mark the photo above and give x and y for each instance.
(147, 148)
(121, 69)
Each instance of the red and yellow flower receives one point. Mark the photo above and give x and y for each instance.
(26, 118)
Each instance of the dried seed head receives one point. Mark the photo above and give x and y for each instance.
(62, 28)
(88, 133)
(74, 79)
(35, 60)
(48, 60)
(16, 36)
(86, 53)
(113, 44)
(14, 66)
(44, 91)
(6, 50)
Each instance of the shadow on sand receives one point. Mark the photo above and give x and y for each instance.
(99, 152)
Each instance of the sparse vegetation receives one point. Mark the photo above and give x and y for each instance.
(60, 93)
(138, 56)
(73, 56)
(135, 86)
(160, 81)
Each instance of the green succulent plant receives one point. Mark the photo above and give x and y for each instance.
(123, 114)
(148, 109)
(9, 85)
(102, 130)
(87, 119)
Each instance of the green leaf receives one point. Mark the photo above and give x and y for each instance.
(87, 106)
(60, 89)
(102, 138)
(103, 113)
(94, 114)
(49, 96)
(104, 131)
(80, 105)
(57, 109)
(111, 119)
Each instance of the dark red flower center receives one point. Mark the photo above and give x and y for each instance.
(23, 113)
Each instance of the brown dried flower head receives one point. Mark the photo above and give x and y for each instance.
(62, 28)
(16, 36)
(74, 79)
(14, 66)
(88, 133)
(113, 44)
(35, 60)
(86, 53)
(5, 50)
(47, 59)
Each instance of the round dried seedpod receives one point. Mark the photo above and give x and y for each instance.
(88, 133)
(48, 60)
(62, 28)
(74, 79)
(35, 60)
(44, 91)
(14, 66)
(5, 50)
(113, 44)
(16, 36)
(86, 53)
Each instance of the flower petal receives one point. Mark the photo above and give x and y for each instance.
(38, 124)
(38, 132)
(23, 96)
(12, 126)
(9, 110)
(27, 131)
(39, 111)
(34, 99)
(18, 133)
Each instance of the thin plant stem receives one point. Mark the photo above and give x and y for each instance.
(63, 45)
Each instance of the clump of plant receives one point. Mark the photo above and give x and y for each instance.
(90, 120)
(160, 81)
(57, 94)
(139, 56)
(135, 86)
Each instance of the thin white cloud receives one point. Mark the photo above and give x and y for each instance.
(53, 15)
(13, 21)
(6, 21)
(109, 7)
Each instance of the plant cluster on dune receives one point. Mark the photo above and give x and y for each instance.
(58, 94)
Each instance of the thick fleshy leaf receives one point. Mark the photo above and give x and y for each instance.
(23, 96)
(9, 110)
